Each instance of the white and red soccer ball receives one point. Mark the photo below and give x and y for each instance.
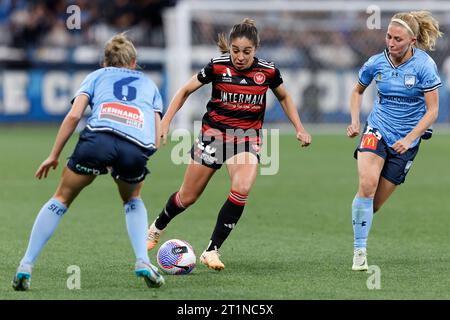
(176, 257)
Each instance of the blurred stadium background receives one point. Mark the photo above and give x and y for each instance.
(318, 45)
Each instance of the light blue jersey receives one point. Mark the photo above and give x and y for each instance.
(123, 102)
(400, 103)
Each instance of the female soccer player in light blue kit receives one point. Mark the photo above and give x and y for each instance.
(121, 134)
(407, 104)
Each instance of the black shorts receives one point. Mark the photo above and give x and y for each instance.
(396, 166)
(96, 151)
(213, 152)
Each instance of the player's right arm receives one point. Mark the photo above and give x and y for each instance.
(177, 102)
(365, 77)
(65, 131)
(355, 107)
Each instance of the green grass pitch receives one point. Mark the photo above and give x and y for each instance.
(294, 240)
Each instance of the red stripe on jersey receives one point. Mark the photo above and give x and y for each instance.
(226, 70)
(235, 122)
(220, 135)
(240, 89)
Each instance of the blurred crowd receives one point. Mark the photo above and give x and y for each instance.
(33, 23)
(331, 40)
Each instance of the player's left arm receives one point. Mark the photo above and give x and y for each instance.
(290, 110)
(65, 132)
(430, 116)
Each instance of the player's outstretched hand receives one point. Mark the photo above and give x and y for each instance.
(305, 138)
(45, 166)
(353, 130)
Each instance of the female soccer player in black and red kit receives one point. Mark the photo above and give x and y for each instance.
(230, 132)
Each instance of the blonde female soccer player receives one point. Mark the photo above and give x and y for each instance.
(407, 104)
(121, 133)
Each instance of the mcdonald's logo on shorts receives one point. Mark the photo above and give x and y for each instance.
(369, 141)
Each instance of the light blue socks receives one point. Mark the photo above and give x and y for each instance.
(362, 215)
(51, 213)
(44, 226)
(137, 225)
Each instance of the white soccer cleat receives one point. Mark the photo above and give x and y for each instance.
(211, 260)
(153, 236)
(360, 260)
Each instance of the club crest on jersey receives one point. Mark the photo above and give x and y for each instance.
(410, 80)
(259, 78)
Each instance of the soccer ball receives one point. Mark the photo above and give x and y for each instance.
(176, 257)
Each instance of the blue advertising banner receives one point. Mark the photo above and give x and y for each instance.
(44, 95)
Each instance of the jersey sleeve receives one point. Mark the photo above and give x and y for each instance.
(157, 102)
(206, 74)
(429, 78)
(365, 75)
(87, 87)
(276, 80)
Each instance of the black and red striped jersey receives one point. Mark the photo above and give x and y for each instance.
(238, 99)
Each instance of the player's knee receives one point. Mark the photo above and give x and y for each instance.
(242, 188)
(368, 187)
(66, 195)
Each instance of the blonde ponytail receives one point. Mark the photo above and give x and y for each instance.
(422, 25)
